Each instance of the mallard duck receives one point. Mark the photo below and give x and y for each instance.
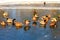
(53, 23)
(45, 19)
(3, 24)
(5, 14)
(9, 21)
(18, 25)
(53, 20)
(43, 24)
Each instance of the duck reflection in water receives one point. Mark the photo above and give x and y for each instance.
(27, 25)
(34, 23)
(26, 28)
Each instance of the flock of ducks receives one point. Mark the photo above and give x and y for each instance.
(44, 20)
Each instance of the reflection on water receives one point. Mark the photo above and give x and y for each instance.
(34, 33)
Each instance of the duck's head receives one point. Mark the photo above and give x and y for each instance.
(14, 19)
(26, 22)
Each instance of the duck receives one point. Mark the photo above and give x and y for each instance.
(45, 19)
(27, 25)
(53, 20)
(43, 24)
(18, 25)
(9, 21)
(5, 14)
(53, 23)
(3, 24)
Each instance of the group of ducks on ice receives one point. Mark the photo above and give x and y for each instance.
(44, 20)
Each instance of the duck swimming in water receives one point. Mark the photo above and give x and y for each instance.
(53, 23)
(27, 25)
(5, 14)
(3, 24)
(18, 25)
(35, 15)
(9, 21)
(45, 19)
(43, 24)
